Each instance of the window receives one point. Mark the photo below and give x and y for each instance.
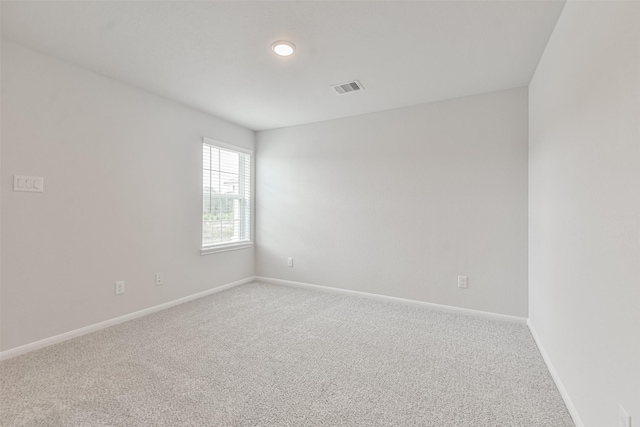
(226, 197)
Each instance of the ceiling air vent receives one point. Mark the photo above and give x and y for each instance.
(343, 88)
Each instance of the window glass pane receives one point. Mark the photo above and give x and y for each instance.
(217, 231)
(229, 161)
(229, 230)
(210, 212)
(210, 158)
(211, 166)
(211, 181)
(206, 205)
(229, 183)
(215, 159)
(206, 157)
(210, 232)
(206, 177)
(235, 207)
(222, 209)
(226, 179)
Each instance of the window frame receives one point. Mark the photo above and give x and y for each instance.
(223, 247)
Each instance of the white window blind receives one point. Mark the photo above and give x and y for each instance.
(226, 196)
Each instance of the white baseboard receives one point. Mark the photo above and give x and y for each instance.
(439, 307)
(7, 354)
(556, 378)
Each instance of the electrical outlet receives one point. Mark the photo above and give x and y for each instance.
(624, 419)
(289, 262)
(34, 184)
(463, 282)
(159, 279)
(120, 287)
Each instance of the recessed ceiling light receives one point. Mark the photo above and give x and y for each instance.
(283, 48)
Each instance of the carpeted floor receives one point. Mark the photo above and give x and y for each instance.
(268, 355)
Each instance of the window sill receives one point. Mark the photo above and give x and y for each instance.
(225, 248)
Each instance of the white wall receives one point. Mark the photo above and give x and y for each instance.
(584, 207)
(122, 198)
(401, 202)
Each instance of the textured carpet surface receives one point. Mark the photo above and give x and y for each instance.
(268, 355)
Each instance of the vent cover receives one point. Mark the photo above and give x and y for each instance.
(343, 88)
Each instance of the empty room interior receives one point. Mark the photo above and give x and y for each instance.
(320, 213)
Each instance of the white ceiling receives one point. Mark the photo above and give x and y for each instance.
(216, 57)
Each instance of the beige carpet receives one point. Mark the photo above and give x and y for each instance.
(267, 355)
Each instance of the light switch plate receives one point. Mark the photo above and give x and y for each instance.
(463, 282)
(119, 288)
(31, 184)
